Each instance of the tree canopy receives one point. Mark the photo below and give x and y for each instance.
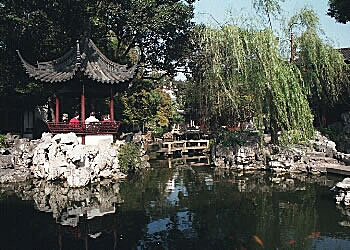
(246, 72)
(43, 30)
(150, 108)
(268, 8)
(241, 74)
(323, 69)
(340, 10)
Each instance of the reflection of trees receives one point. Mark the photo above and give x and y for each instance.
(143, 197)
(182, 208)
(249, 205)
(145, 190)
(222, 216)
(285, 217)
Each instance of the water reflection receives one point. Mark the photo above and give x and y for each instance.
(185, 160)
(178, 208)
(66, 204)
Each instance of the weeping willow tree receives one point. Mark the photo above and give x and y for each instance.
(268, 8)
(323, 68)
(324, 74)
(244, 70)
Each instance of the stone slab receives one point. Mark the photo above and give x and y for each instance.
(338, 169)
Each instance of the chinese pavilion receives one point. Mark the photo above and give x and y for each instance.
(103, 79)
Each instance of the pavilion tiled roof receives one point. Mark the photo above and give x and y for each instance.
(89, 60)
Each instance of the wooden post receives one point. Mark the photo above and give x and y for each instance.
(57, 118)
(111, 106)
(82, 111)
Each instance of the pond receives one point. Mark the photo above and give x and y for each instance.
(177, 208)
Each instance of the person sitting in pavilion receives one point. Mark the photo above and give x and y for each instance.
(65, 118)
(74, 122)
(91, 118)
(106, 119)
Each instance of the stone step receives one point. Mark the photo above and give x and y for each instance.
(338, 169)
(315, 154)
(324, 159)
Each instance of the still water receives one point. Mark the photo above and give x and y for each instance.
(176, 208)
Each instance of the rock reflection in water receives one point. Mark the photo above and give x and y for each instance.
(66, 204)
(80, 213)
(188, 208)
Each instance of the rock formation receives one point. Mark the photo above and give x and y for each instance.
(60, 158)
(311, 158)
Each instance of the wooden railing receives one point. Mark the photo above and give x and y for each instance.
(92, 128)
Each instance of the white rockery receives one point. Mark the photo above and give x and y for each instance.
(61, 157)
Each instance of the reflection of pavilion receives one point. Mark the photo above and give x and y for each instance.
(73, 214)
(85, 58)
(89, 229)
(82, 215)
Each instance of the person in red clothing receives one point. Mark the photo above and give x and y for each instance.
(74, 122)
(106, 118)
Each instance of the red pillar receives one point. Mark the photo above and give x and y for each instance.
(111, 106)
(82, 105)
(57, 118)
(82, 111)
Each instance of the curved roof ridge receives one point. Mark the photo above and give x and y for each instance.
(84, 56)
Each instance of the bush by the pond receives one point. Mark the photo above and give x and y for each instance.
(158, 131)
(3, 142)
(230, 138)
(129, 157)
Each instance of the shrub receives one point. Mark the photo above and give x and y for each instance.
(129, 157)
(158, 132)
(3, 142)
(229, 138)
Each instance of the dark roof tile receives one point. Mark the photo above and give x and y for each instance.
(89, 60)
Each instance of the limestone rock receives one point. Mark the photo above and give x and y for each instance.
(345, 184)
(7, 161)
(79, 177)
(76, 154)
(14, 175)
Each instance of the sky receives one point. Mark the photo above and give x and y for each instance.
(213, 11)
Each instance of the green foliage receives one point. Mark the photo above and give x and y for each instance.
(152, 108)
(268, 8)
(323, 70)
(293, 137)
(188, 97)
(333, 133)
(158, 131)
(129, 157)
(338, 134)
(231, 138)
(304, 19)
(244, 71)
(339, 10)
(178, 119)
(43, 30)
(3, 142)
